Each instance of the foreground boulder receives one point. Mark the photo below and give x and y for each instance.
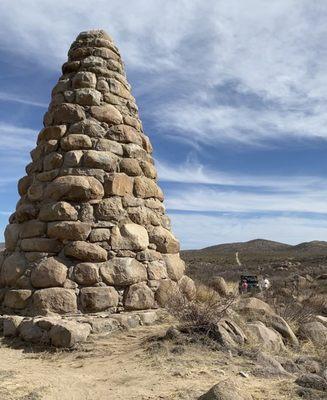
(312, 381)
(314, 331)
(225, 390)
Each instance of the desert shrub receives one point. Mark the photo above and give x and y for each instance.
(202, 313)
(288, 306)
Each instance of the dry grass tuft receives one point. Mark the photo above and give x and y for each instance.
(202, 314)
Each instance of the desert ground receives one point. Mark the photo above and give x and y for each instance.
(129, 365)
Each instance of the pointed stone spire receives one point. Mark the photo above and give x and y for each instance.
(90, 231)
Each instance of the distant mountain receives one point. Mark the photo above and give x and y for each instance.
(2, 246)
(256, 256)
(255, 245)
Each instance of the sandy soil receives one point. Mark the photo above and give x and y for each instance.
(128, 365)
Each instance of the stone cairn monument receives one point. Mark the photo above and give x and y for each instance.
(90, 232)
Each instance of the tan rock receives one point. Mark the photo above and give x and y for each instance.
(49, 272)
(75, 141)
(118, 184)
(100, 159)
(52, 161)
(99, 235)
(35, 191)
(88, 97)
(125, 134)
(314, 331)
(226, 390)
(145, 188)
(67, 113)
(148, 169)
(252, 304)
(269, 338)
(139, 297)
(73, 158)
(187, 287)
(129, 237)
(75, 188)
(95, 299)
(12, 268)
(17, 299)
(60, 211)
(69, 230)
(109, 145)
(11, 324)
(163, 239)
(47, 176)
(130, 166)
(54, 300)
(24, 212)
(123, 271)
(23, 185)
(52, 133)
(166, 291)
(84, 80)
(85, 251)
(157, 270)
(66, 334)
(11, 234)
(89, 127)
(32, 228)
(41, 245)
(86, 273)
(110, 209)
(107, 113)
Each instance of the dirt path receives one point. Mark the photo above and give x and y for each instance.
(126, 366)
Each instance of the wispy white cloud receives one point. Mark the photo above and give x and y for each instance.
(268, 52)
(222, 200)
(19, 99)
(15, 139)
(192, 171)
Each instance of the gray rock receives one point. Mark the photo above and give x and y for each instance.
(95, 299)
(67, 334)
(312, 381)
(11, 324)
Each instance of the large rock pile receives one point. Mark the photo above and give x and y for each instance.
(90, 231)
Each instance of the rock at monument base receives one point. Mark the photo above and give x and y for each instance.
(187, 287)
(123, 271)
(54, 300)
(49, 272)
(139, 297)
(11, 324)
(166, 291)
(32, 333)
(12, 268)
(17, 299)
(175, 266)
(69, 333)
(94, 299)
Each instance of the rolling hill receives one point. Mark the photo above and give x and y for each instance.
(259, 256)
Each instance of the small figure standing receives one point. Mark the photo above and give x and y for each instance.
(244, 287)
(266, 283)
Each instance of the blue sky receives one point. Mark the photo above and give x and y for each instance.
(233, 95)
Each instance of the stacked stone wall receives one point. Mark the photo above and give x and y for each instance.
(90, 231)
